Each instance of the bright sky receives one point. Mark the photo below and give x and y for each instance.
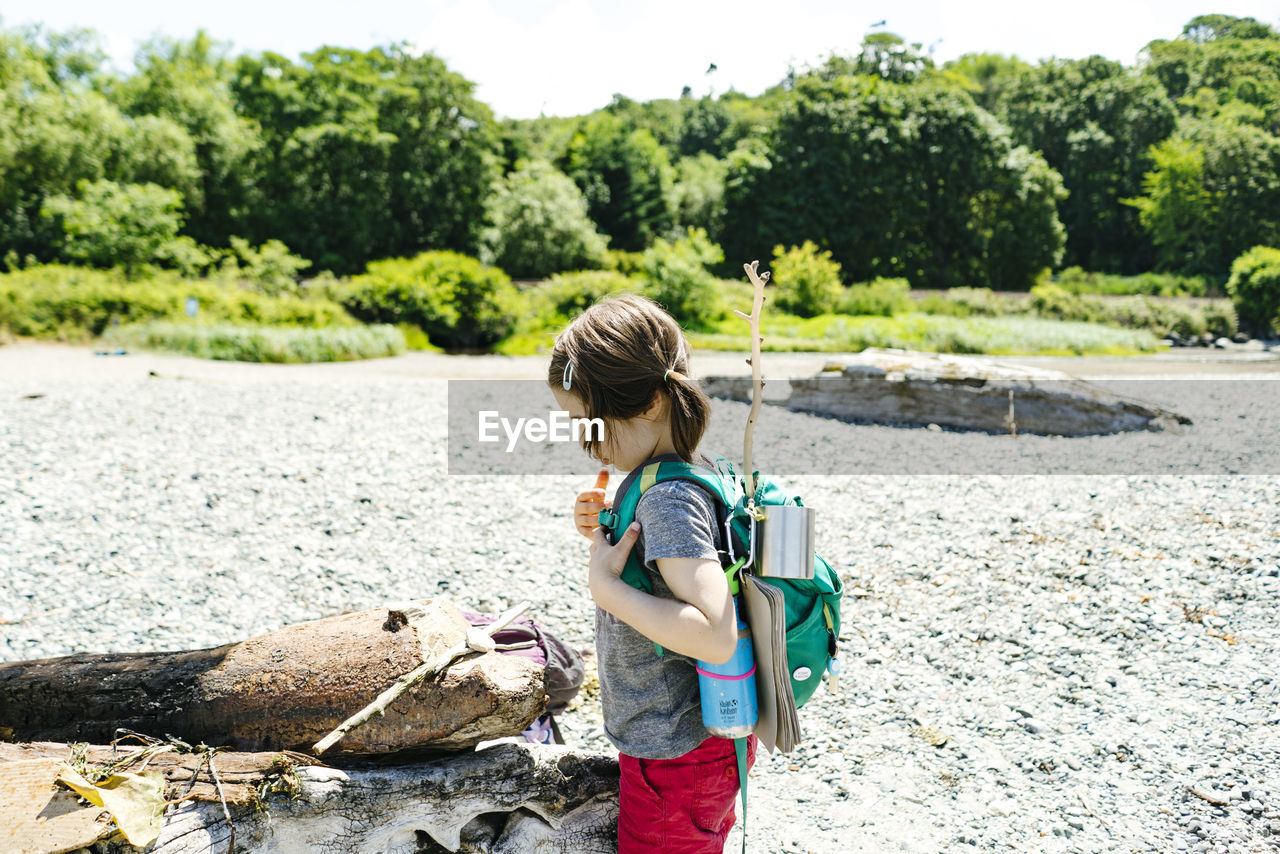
(567, 57)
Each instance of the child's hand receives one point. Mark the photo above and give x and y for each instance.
(589, 504)
(607, 562)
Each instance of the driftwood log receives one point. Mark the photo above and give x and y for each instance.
(504, 799)
(888, 386)
(284, 690)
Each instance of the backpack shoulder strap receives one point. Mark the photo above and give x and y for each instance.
(663, 468)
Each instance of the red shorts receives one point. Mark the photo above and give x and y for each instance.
(682, 805)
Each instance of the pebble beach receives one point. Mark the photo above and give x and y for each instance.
(1045, 662)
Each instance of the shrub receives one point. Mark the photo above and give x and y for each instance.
(540, 224)
(624, 262)
(69, 303)
(807, 280)
(884, 297)
(1077, 281)
(675, 276)
(1254, 288)
(270, 268)
(416, 339)
(566, 295)
(1220, 318)
(459, 302)
(1159, 285)
(971, 302)
(262, 343)
(1054, 301)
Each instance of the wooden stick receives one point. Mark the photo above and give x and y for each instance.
(1085, 803)
(1216, 799)
(757, 380)
(416, 675)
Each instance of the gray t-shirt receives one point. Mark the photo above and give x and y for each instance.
(651, 703)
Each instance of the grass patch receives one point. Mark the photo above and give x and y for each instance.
(940, 334)
(279, 344)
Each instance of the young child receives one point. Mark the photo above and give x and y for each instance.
(625, 361)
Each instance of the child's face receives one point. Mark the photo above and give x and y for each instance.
(628, 442)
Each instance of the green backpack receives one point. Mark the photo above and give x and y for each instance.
(813, 605)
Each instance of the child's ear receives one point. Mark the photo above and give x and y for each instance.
(654, 409)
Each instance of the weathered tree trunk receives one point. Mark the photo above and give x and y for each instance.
(887, 386)
(506, 799)
(284, 690)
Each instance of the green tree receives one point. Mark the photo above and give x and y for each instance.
(1206, 28)
(1215, 192)
(68, 56)
(883, 55)
(1095, 122)
(157, 150)
(1175, 208)
(986, 76)
(708, 128)
(110, 224)
(626, 178)
(187, 82)
(52, 142)
(1221, 67)
(897, 181)
(699, 192)
(1242, 176)
(58, 129)
(1018, 221)
(270, 268)
(368, 154)
(540, 224)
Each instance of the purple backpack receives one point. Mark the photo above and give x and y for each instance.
(564, 666)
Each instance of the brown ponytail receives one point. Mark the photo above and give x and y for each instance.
(621, 352)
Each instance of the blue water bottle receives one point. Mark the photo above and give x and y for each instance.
(729, 690)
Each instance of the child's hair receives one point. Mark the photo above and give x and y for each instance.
(621, 352)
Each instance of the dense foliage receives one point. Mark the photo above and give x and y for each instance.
(73, 303)
(675, 274)
(540, 224)
(906, 180)
(1094, 121)
(457, 301)
(807, 281)
(1255, 289)
(245, 170)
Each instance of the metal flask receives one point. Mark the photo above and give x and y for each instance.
(784, 545)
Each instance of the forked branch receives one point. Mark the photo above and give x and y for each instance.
(758, 281)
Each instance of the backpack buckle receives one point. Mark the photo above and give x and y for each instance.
(607, 518)
(751, 547)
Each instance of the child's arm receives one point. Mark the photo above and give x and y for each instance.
(698, 623)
